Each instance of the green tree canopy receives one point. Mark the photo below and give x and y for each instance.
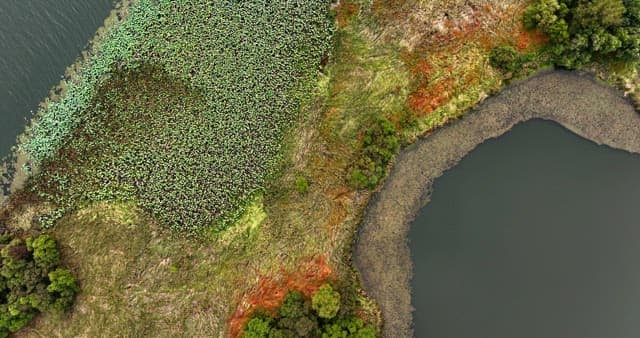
(582, 31)
(326, 302)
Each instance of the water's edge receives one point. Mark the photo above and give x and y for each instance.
(574, 100)
(12, 172)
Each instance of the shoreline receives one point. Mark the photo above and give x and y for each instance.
(12, 166)
(577, 101)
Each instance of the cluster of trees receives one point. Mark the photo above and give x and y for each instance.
(31, 280)
(323, 315)
(380, 144)
(581, 31)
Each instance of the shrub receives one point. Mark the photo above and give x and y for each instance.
(326, 302)
(380, 143)
(63, 287)
(294, 318)
(258, 327)
(505, 58)
(583, 31)
(45, 251)
(348, 327)
(294, 305)
(31, 282)
(302, 184)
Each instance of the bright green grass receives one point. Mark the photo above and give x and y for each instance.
(183, 108)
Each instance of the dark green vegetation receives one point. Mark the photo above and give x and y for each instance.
(31, 280)
(182, 110)
(326, 314)
(582, 31)
(380, 143)
(510, 61)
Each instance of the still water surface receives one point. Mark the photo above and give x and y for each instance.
(38, 40)
(535, 234)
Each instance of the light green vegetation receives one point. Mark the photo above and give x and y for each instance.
(183, 109)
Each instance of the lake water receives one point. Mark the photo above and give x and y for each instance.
(38, 40)
(535, 234)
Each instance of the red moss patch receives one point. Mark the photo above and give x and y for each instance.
(270, 291)
(427, 99)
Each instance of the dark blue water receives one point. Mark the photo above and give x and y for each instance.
(38, 40)
(533, 235)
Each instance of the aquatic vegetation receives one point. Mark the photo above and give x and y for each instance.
(183, 108)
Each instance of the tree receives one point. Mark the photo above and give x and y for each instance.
(293, 305)
(584, 30)
(45, 251)
(258, 327)
(326, 302)
(348, 327)
(63, 287)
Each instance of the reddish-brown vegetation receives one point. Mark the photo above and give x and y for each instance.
(271, 290)
(345, 11)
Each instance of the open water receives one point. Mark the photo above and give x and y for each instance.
(535, 234)
(39, 39)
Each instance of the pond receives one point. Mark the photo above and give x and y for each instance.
(535, 234)
(39, 39)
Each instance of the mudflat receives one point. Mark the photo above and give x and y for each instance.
(575, 100)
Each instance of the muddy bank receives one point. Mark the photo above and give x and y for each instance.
(576, 101)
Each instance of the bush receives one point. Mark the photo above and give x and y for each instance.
(294, 305)
(63, 287)
(258, 328)
(505, 58)
(31, 281)
(302, 184)
(380, 143)
(294, 318)
(326, 302)
(584, 31)
(45, 251)
(348, 327)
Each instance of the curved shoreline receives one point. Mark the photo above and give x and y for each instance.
(574, 100)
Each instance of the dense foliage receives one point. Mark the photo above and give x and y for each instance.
(31, 281)
(582, 31)
(183, 108)
(320, 316)
(380, 143)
